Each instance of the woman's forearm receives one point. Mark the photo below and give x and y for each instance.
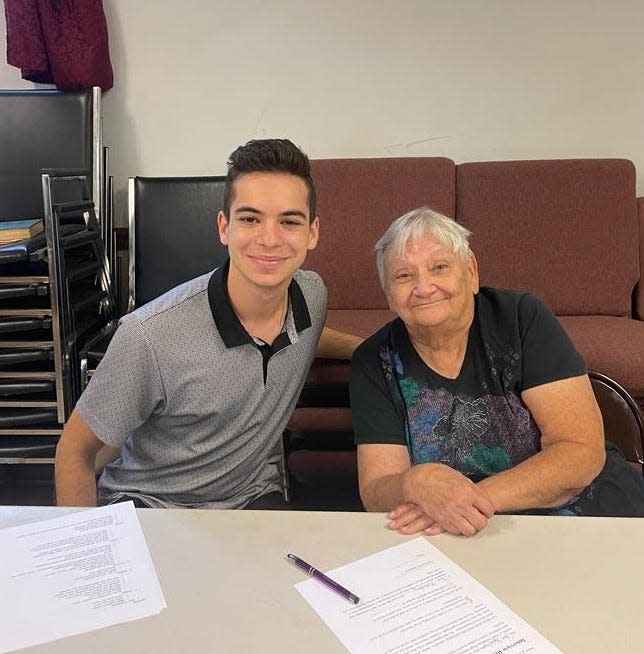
(384, 493)
(548, 479)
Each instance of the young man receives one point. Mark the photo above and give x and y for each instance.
(198, 385)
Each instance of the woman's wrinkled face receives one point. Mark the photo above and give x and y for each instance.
(429, 286)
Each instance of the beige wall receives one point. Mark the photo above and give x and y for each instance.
(468, 79)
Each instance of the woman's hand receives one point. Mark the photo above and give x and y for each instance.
(445, 500)
(409, 519)
(448, 499)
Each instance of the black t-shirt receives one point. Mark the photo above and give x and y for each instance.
(476, 423)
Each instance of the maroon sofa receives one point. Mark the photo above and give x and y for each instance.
(567, 230)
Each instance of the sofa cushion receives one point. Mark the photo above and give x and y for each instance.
(612, 345)
(362, 322)
(320, 419)
(357, 201)
(326, 375)
(566, 230)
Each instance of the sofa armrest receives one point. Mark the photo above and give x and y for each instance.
(639, 292)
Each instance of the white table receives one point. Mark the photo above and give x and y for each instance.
(579, 581)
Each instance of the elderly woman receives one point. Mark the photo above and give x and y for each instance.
(473, 401)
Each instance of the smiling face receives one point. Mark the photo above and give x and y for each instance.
(429, 286)
(269, 232)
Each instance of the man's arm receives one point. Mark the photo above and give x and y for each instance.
(335, 344)
(74, 469)
(572, 448)
(430, 496)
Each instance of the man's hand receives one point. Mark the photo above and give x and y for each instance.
(441, 499)
(335, 344)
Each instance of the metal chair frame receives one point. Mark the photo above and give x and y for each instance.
(633, 450)
(65, 330)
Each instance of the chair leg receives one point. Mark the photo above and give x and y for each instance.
(283, 470)
(84, 376)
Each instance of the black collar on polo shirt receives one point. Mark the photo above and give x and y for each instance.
(231, 330)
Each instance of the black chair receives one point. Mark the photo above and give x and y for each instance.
(173, 238)
(46, 129)
(173, 232)
(623, 424)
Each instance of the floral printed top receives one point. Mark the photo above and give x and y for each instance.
(476, 423)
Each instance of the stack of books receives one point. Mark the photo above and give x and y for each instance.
(18, 230)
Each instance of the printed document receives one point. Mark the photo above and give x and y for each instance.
(414, 599)
(68, 575)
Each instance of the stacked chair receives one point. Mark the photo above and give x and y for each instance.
(55, 294)
(55, 288)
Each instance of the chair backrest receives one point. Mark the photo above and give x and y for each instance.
(45, 129)
(173, 232)
(623, 424)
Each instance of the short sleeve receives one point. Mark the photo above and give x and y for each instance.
(548, 353)
(126, 387)
(315, 292)
(375, 416)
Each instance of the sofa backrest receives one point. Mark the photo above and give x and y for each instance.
(357, 201)
(564, 229)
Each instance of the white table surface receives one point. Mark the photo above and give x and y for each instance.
(579, 581)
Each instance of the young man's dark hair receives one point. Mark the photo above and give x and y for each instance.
(269, 155)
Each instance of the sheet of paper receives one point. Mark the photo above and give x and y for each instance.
(72, 574)
(414, 599)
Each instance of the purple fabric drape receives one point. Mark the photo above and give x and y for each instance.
(61, 42)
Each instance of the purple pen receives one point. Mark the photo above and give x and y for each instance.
(320, 576)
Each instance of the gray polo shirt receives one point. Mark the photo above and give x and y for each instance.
(195, 405)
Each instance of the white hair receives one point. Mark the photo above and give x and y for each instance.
(416, 224)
